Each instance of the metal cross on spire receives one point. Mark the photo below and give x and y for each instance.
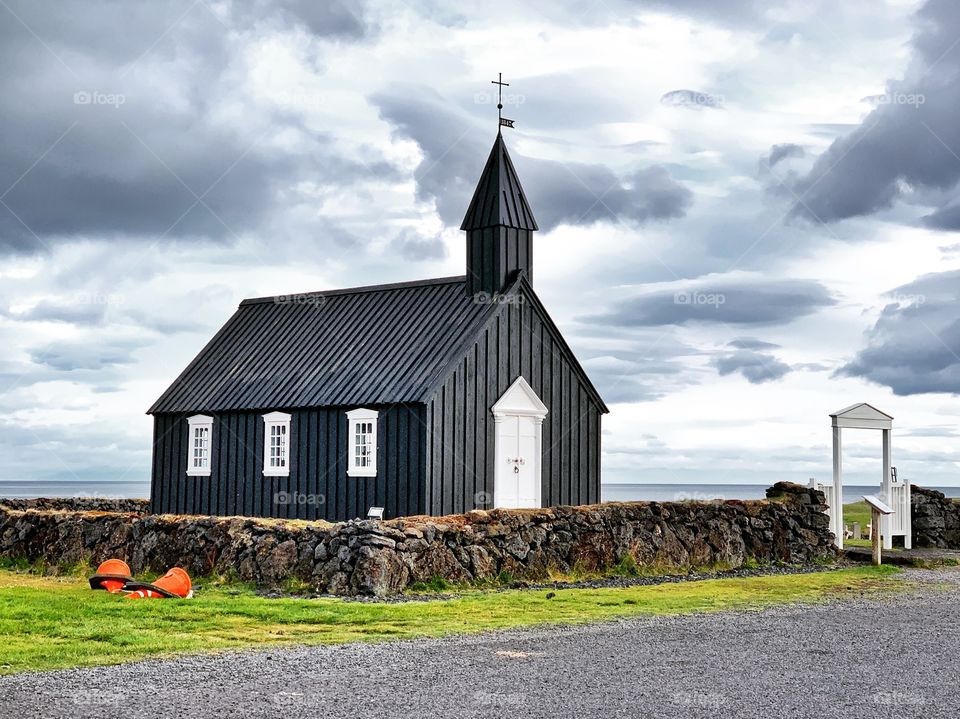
(502, 121)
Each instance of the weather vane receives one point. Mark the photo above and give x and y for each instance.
(504, 122)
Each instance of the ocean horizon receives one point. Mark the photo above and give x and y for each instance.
(637, 492)
(633, 492)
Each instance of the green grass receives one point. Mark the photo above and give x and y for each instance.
(55, 622)
(857, 512)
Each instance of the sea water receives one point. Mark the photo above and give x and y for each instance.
(608, 492)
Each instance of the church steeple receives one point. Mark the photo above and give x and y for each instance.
(498, 223)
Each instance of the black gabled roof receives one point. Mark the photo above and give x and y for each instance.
(366, 345)
(499, 198)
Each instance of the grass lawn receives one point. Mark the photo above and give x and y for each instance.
(857, 512)
(55, 622)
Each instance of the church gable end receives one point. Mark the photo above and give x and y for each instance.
(518, 340)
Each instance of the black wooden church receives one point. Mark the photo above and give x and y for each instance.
(429, 397)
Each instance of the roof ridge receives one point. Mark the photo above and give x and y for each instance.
(466, 340)
(357, 290)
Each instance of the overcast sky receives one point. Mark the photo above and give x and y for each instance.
(749, 211)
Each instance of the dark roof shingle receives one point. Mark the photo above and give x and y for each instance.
(368, 345)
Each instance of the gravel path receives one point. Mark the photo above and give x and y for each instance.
(892, 657)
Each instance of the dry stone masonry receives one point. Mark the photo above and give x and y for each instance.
(381, 558)
(936, 519)
(80, 504)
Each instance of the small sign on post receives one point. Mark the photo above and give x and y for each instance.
(877, 508)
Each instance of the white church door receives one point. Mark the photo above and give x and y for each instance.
(518, 417)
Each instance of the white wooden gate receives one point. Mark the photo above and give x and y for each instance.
(834, 506)
(896, 493)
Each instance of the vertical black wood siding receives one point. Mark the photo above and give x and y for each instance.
(494, 254)
(460, 447)
(318, 486)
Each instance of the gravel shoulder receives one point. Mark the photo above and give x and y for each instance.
(890, 656)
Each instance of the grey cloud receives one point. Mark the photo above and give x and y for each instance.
(945, 218)
(67, 356)
(906, 144)
(812, 366)
(413, 246)
(130, 32)
(749, 343)
(781, 181)
(693, 99)
(832, 130)
(756, 367)
(725, 301)
(559, 193)
(782, 152)
(639, 375)
(728, 13)
(76, 312)
(16, 376)
(126, 140)
(166, 325)
(582, 194)
(330, 17)
(734, 12)
(913, 348)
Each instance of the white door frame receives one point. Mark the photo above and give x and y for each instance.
(518, 401)
(892, 490)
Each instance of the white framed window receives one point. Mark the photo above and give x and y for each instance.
(362, 430)
(276, 444)
(198, 454)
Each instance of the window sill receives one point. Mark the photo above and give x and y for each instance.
(276, 473)
(198, 472)
(361, 473)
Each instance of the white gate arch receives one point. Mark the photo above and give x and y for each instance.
(893, 491)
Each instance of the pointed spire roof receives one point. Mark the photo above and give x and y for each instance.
(499, 198)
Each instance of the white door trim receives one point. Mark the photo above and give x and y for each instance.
(518, 401)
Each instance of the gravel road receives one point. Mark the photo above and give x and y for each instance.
(893, 657)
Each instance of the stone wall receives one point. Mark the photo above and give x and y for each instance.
(935, 519)
(80, 504)
(382, 558)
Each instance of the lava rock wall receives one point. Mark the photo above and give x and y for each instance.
(935, 519)
(381, 558)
